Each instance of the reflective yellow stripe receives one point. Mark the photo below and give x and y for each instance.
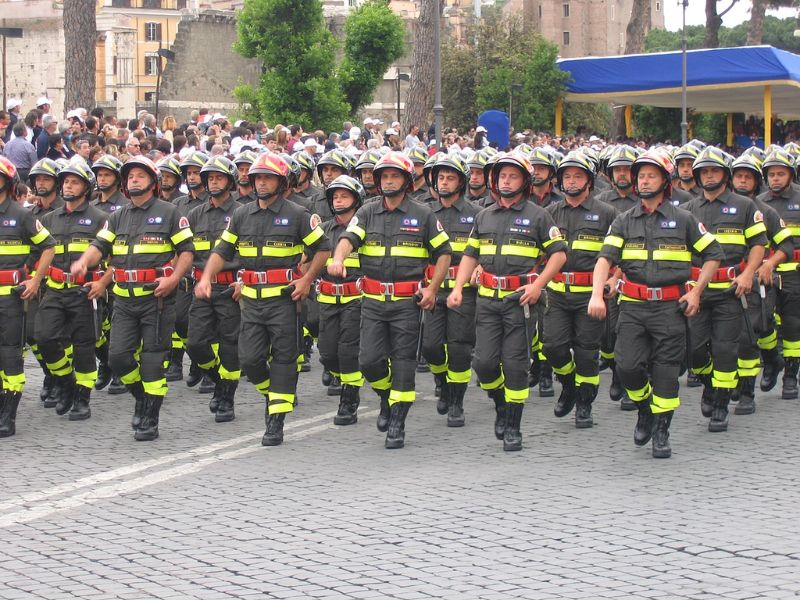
(281, 252)
(564, 369)
(631, 254)
(795, 229)
(614, 240)
(326, 299)
(152, 248)
(703, 242)
(513, 250)
(723, 379)
(517, 396)
(396, 396)
(781, 235)
(488, 292)
(733, 239)
(119, 249)
(409, 252)
(255, 293)
(127, 293)
(77, 246)
(458, 246)
(372, 250)
(473, 242)
(202, 245)
(674, 255)
(106, 236)
(660, 404)
(590, 379)
(15, 250)
(586, 245)
(155, 388)
(439, 240)
(59, 249)
(180, 236)
(459, 376)
(557, 286)
(488, 249)
(355, 229)
(229, 237)
(40, 236)
(755, 230)
(313, 236)
(790, 267)
(546, 243)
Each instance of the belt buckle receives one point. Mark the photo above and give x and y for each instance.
(360, 285)
(655, 294)
(261, 277)
(131, 275)
(167, 271)
(338, 289)
(15, 277)
(239, 274)
(387, 288)
(731, 273)
(289, 277)
(69, 278)
(569, 278)
(500, 282)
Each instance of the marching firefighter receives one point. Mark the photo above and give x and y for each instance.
(268, 239)
(478, 186)
(69, 310)
(653, 244)
(508, 241)
(142, 241)
(396, 238)
(171, 176)
(214, 322)
(20, 231)
(244, 190)
(363, 171)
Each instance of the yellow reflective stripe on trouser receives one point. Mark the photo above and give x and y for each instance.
(133, 292)
(459, 376)
(255, 293)
(724, 379)
(86, 379)
(768, 342)
(706, 370)
(641, 394)
(14, 383)
(384, 383)
(396, 396)
(280, 403)
(493, 385)
(748, 367)
(229, 375)
(61, 367)
(607, 355)
(355, 378)
(132, 377)
(263, 387)
(590, 379)
(791, 348)
(564, 369)
(659, 404)
(155, 388)
(517, 396)
(438, 369)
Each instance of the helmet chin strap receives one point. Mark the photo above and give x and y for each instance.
(216, 193)
(575, 192)
(194, 186)
(446, 195)
(393, 193)
(713, 187)
(510, 194)
(268, 195)
(623, 185)
(686, 179)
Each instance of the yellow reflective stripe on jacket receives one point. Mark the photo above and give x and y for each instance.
(731, 239)
(458, 246)
(179, 236)
(440, 239)
(40, 236)
(313, 236)
(201, 245)
(372, 250)
(280, 252)
(229, 237)
(350, 261)
(781, 235)
(703, 242)
(358, 231)
(614, 240)
(674, 255)
(755, 230)
(513, 250)
(473, 242)
(15, 249)
(409, 252)
(106, 236)
(546, 243)
(488, 249)
(586, 245)
(152, 248)
(795, 229)
(119, 249)
(77, 246)
(634, 254)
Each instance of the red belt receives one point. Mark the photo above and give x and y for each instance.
(61, 276)
(507, 282)
(389, 288)
(226, 277)
(451, 272)
(348, 288)
(723, 274)
(574, 278)
(796, 256)
(11, 277)
(272, 276)
(642, 292)
(141, 275)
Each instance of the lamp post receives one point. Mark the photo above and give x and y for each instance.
(684, 122)
(438, 109)
(400, 77)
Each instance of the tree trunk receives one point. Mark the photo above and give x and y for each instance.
(713, 23)
(80, 35)
(638, 27)
(419, 102)
(755, 30)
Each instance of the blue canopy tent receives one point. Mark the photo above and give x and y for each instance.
(751, 79)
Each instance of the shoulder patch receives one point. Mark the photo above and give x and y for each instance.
(758, 217)
(183, 222)
(554, 232)
(314, 221)
(439, 226)
(38, 225)
(783, 223)
(353, 222)
(702, 228)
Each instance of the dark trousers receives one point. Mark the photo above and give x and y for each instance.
(789, 311)
(571, 337)
(716, 330)
(339, 337)
(11, 363)
(449, 337)
(183, 302)
(213, 335)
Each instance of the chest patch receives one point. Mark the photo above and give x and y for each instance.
(466, 220)
(9, 222)
(280, 221)
(728, 210)
(155, 220)
(591, 218)
(669, 225)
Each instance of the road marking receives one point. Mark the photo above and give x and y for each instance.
(47, 509)
(106, 476)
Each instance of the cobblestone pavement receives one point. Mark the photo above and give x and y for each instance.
(206, 512)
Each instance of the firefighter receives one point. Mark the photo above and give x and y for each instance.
(149, 247)
(244, 190)
(419, 157)
(653, 244)
(269, 238)
(396, 238)
(169, 168)
(363, 171)
(508, 241)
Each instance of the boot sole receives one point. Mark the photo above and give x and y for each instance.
(662, 453)
(224, 418)
(5, 434)
(512, 447)
(117, 391)
(270, 443)
(63, 411)
(628, 407)
(547, 393)
(744, 410)
(458, 423)
(394, 445)
(584, 424)
(144, 437)
(714, 428)
(49, 404)
(83, 417)
(789, 396)
(345, 421)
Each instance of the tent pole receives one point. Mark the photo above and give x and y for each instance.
(730, 131)
(629, 121)
(559, 116)
(767, 115)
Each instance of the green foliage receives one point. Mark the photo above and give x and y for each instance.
(375, 39)
(459, 69)
(596, 118)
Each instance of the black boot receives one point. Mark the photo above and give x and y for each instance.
(455, 412)
(273, 436)
(644, 423)
(605, 363)
(117, 387)
(661, 447)
(103, 376)
(148, 426)
(396, 434)
(693, 380)
(327, 377)
(625, 403)
(512, 437)
(444, 393)
(583, 405)
(137, 391)
(207, 385)
(615, 390)
(773, 365)
(216, 398)
(534, 372)
(499, 397)
(348, 406)
(335, 388)
(719, 415)
(175, 367)
(566, 400)
(383, 417)
(66, 396)
(225, 410)
(747, 393)
(80, 407)
(47, 384)
(546, 381)
(789, 391)
(53, 396)
(195, 375)
(707, 399)
(8, 413)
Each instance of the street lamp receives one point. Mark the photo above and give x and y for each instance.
(400, 77)
(438, 109)
(684, 122)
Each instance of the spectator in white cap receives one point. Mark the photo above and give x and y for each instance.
(310, 147)
(13, 107)
(412, 139)
(43, 103)
(480, 138)
(355, 134)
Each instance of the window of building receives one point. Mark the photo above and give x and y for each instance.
(149, 96)
(181, 4)
(566, 38)
(121, 3)
(566, 11)
(151, 4)
(658, 6)
(151, 64)
(152, 32)
(540, 11)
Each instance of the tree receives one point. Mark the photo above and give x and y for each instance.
(298, 52)
(714, 22)
(375, 37)
(635, 33)
(80, 35)
(419, 102)
(755, 29)
(459, 71)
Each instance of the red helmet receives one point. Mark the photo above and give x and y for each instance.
(144, 163)
(394, 160)
(659, 160)
(270, 163)
(9, 171)
(514, 159)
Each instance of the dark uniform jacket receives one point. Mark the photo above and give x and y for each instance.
(188, 202)
(207, 223)
(619, 203)
(458, 221)
(113, 204)
(334, 230)
(787, 205)
(21, 235)
(316, 202)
